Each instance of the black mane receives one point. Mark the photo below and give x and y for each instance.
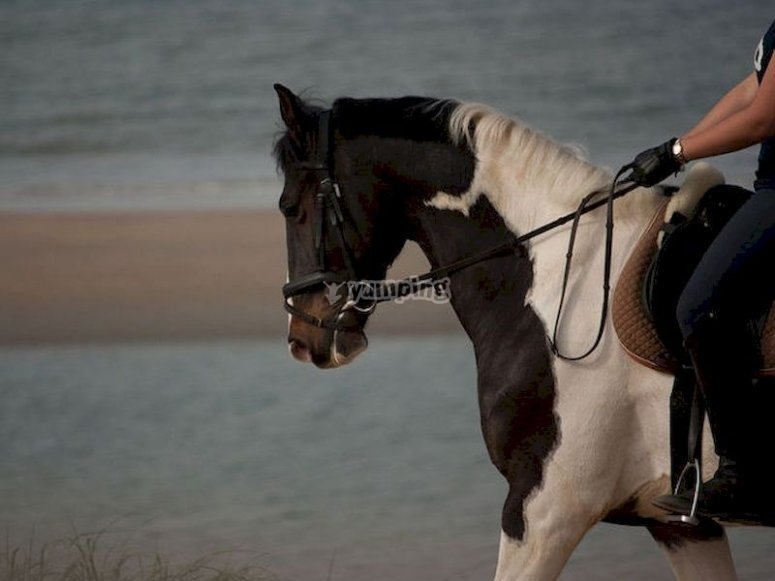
(413, 118)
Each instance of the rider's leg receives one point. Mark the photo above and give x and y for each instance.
(731, 285)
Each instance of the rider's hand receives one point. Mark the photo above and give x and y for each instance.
(653, 165)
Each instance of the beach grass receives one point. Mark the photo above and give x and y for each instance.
(90, 557)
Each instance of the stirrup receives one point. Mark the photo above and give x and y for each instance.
(690, 518)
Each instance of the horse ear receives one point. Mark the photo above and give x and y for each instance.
(291, 109)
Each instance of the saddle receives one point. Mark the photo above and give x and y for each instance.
(649, 285)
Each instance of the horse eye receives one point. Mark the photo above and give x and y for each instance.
(290, 210)
(289, 206)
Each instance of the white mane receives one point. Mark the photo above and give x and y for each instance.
(517, 166)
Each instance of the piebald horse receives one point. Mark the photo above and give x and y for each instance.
(578, 442)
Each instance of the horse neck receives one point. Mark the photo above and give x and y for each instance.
(530, 181)
(531, 197)
(527, 176)
(515, 384)
(488, 297)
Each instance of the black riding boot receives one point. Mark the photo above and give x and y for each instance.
(738, 491)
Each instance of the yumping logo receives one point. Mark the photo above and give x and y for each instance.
(367, 292)
(332, 292)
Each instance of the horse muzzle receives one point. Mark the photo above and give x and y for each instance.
(323, 334)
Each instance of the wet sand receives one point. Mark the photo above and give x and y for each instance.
(162, 276)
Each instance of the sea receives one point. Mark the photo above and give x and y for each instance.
(374, 471)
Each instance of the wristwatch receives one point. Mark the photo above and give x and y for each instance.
(678, 152)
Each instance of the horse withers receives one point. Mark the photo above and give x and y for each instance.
(578, 442)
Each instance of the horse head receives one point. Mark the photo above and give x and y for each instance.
(342, 224)
(359, 178)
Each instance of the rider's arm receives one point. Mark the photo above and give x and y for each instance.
(725, 129)
(737, 99)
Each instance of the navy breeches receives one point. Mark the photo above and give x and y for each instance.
(735, 279)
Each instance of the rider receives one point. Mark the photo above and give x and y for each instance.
(732, 283)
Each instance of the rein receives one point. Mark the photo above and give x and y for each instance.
(330, 216)
(420, 282)
(402, 288)
(609, 237)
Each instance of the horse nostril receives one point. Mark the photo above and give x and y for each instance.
(299, 350)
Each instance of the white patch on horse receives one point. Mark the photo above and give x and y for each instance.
(601, 462)
(532, 180)
(462, 204)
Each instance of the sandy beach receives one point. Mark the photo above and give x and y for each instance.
(162, 276)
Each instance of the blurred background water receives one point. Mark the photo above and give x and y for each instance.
(108, 103)
(376, 471)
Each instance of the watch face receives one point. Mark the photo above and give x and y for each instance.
(677, 150)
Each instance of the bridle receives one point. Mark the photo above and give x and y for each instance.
(330, 218)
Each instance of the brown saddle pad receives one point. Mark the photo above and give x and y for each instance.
(632, 323)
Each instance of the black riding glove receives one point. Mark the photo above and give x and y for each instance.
(653, 165)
